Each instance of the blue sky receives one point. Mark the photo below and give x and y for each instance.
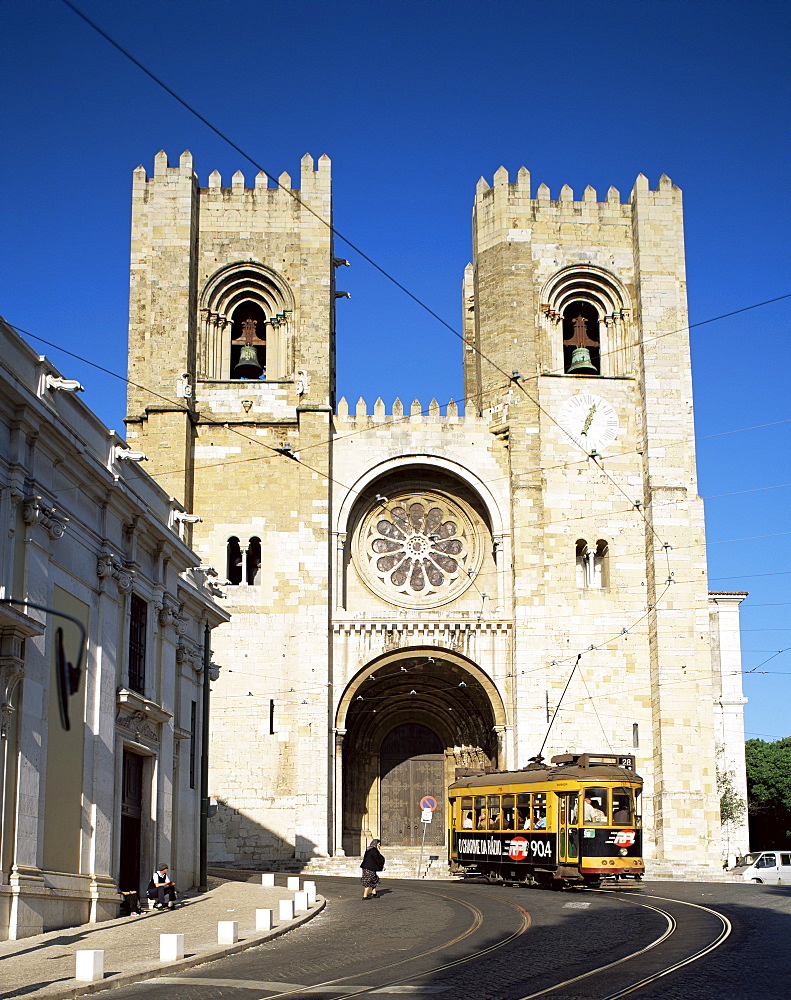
(413, 101)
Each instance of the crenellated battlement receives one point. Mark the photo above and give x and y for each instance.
(518, 195)
(314, 177)
(416, 413)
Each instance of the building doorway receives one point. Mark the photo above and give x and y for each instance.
(412, 761)
(131, 821)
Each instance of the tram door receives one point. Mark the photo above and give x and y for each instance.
(568, 833)
(412, 765)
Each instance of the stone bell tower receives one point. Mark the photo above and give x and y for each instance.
(585, 301)
(232, 373)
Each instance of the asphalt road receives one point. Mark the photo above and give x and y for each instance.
(480, 942)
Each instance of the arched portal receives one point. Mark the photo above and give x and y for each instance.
(410, 719)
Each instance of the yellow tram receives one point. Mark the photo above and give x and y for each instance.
(574, 821)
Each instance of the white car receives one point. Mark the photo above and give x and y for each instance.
(772, 867)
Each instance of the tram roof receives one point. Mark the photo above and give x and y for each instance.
(583, 767)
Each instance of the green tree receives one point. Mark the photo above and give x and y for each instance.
(769, 792)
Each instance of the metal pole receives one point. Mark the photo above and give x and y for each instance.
(422, 845)
(203, 849)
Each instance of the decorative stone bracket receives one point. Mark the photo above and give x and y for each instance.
(35, 511)
(110, 566)
(169, 613)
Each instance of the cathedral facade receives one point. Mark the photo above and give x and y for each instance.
(415, 589)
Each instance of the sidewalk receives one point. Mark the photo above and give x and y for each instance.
(43, 967)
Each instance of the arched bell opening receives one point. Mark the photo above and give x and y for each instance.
(411, 719)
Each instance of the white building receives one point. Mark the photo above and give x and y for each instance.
(89, 534)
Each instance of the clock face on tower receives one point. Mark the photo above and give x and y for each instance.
(589, 421)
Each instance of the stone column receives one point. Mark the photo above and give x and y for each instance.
(338, 850)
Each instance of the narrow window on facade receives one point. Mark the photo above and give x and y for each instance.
(138, 624)
(248, 342)
(601, 565)
(253, 568)
(582, 563)
(581, 352)
(234, 567)
(592, 565)
(635, 736)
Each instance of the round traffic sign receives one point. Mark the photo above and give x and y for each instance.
(428, 802)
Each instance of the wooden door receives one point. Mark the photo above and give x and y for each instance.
(411, 767)
(131, 816)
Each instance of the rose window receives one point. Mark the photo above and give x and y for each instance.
(420, 547)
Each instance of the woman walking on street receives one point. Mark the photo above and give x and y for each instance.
(372, 864)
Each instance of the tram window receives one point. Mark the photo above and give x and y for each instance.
(523, 812)
(621, 806)
(638, 819)
(540, 811)
(466, 812)
(595, 810)
(481, 816)
(494, 812)
(508, 812)
(573, 810)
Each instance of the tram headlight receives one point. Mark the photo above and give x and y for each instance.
(623, 852)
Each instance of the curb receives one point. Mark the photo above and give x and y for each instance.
(190, 962)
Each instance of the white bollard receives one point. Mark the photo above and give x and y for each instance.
(227, 931)
(263, 920)
(286, 909)
(300, 902)
(268, 879)
(171, 947)
(310, 889)
(292, 883)
(89, 966)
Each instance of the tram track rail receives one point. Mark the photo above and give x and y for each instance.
(639, 981)
(475, 925)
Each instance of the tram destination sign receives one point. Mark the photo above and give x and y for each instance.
(529, 847)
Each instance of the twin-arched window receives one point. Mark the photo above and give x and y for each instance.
(244, 561)
(593, 565)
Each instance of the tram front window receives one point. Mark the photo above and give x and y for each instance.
(595, 807)
(622, 806)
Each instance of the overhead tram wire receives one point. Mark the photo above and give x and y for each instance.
(514, 377)
(274, 451)
(349, 242)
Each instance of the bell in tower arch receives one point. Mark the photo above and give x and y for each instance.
(581, 339)
(249, 363)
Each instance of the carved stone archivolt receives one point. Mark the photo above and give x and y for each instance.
(35, 511)
(419, 549)
(110, 567)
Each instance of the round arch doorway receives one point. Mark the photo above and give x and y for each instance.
(411, 766)
(410, 717)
